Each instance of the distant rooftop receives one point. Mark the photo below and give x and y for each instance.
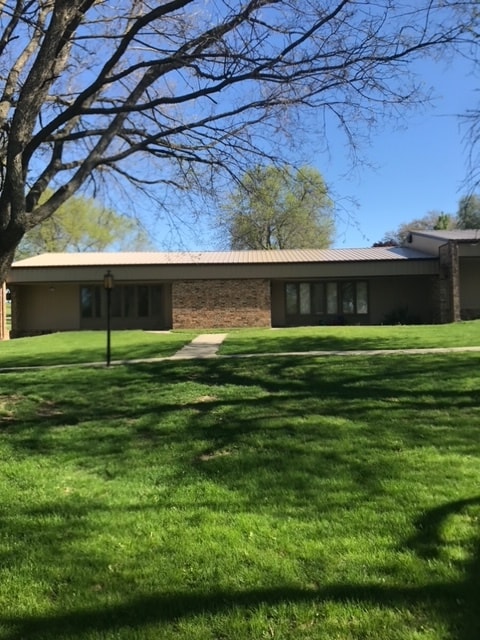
(89, 259)
(454, 234)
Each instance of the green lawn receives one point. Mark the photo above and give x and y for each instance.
(460, 334)
(76, 347)
(89, 346)
(329, 499)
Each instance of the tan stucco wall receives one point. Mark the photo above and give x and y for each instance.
(221, 303)
(470, 288)
(391, 294)
(45, 308)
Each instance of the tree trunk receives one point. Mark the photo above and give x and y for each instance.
(9, 241)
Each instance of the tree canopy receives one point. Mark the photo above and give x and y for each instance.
(468, 214)
(81, 224)
(278, 208)
(168, 94)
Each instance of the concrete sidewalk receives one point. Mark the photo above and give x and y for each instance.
(203, 346)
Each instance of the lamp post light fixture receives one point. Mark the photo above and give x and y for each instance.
(108, 286)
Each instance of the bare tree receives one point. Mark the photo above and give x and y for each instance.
(182, 85)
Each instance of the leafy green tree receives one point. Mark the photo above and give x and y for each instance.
(468, 215)
(82, 225)
(444, 222)
(278, 208)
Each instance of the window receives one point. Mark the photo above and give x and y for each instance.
(291, 295)
(142, 301)
(329, 298)
(318, 298)
(305, 300)
(127, 301)
(332, 298)
(348, 297)
(90, 302)
(362, 298)
(156, 305)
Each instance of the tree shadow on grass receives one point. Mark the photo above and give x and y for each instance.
(274, 392)
(112, 415)
(456, 602)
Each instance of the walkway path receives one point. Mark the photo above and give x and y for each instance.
(203, 346)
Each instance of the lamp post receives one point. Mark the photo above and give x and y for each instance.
(108, 286)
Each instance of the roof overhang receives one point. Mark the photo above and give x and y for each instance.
(342, 263)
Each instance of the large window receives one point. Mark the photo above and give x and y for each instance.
(136, 301)
(127, 301)
(333, 298)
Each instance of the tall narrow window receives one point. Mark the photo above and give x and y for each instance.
(291, 295)
(156, 300)
(142, 301)
(332, 298)
(116, 303)
(348, 297)
(129, 301)
(86, 302)
(304, 298)
(362, 298)
(318, 298)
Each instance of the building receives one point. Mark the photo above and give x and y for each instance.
(434, 278)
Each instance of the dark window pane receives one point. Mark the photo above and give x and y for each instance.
(98, 302)
(129, 301)
(142, 301)
(332, 302)
(305, 298)
(291, 296)
(116, 302)
(348, 297)
(156, 300)
(86, 302)
(318, 298)
(362, 297)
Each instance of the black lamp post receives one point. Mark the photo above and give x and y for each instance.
(108, 286)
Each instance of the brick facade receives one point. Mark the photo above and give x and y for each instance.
(205, 304)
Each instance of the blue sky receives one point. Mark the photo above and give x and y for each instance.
(415, 166)
(418, 168)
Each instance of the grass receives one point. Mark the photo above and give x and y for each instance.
(89, 346)
(462, 334)
(329, 499)
(78, 347)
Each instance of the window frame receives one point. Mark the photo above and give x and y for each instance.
(327, 299)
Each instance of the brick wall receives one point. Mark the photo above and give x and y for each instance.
(210, 304)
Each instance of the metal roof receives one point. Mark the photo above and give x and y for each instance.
(290, 256)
